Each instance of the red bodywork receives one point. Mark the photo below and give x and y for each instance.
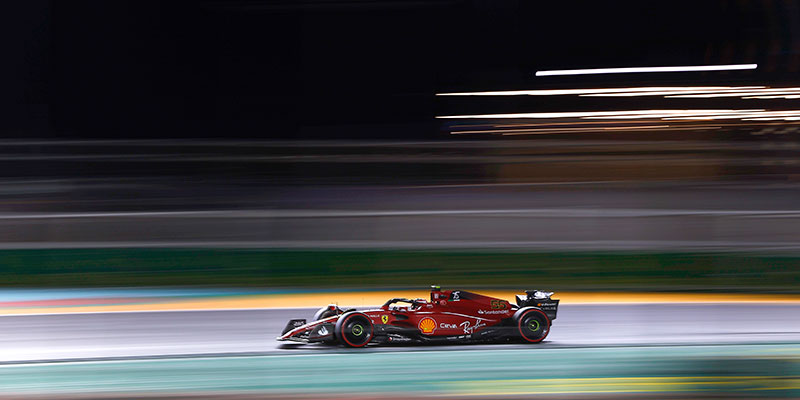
(449, 314)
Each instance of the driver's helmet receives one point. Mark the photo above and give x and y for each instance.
(436, 293)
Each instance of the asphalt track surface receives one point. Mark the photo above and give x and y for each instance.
(252, 332)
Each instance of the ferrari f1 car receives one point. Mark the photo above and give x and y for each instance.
(449, 316)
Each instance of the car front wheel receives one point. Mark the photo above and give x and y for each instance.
(354, 329)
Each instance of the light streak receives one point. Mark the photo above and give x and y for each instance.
(786, 91)
(582, 114)
(796, 118)
(743, 115)
(793, 96)
(579, 130)
(677, 92)
(622, 128)
(634, 118)
(628, 70)
(747, 92)
(558, 123)
(690, 113)
(561, 92)
(599, 128)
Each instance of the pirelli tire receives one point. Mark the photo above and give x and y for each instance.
(532, 324)
(354, 329)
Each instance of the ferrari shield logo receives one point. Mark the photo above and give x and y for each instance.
(384, 318)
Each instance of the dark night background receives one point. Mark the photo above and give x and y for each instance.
(329, 69)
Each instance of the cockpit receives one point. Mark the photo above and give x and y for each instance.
(404, 304)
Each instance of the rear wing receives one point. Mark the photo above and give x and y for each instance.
(541, 300)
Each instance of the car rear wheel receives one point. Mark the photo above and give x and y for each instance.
(354, 329)
(533, 325)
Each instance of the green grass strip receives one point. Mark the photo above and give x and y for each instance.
(400, 268)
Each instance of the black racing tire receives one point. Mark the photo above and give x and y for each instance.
(324, 312)
(532, 324)
(354, 329)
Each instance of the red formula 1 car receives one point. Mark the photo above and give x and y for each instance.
(449, 316)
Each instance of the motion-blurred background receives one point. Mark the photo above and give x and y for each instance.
(221, 155)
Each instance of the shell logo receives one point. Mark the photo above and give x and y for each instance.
(427, 325)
